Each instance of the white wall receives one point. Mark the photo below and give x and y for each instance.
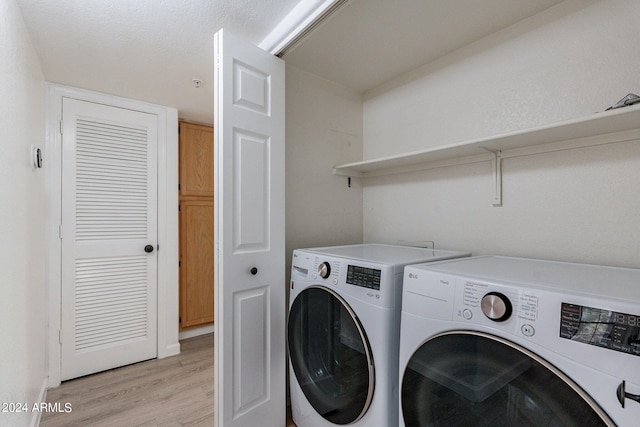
(579, 205)
(323, 129)
(22, 220)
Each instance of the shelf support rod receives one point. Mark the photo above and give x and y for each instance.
(496, 164)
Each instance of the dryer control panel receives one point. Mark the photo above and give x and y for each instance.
(364, 277)
(601, 328)
(375, 283)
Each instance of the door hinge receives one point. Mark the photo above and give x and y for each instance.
(178, 187)
(60, 336)
(179, 263)
(61, 127)
(157, 247)
(60, 231)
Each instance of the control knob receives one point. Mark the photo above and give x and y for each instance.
(324, 270)
(496, 306)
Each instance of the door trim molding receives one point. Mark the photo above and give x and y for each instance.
(298, 25)
(168, 344)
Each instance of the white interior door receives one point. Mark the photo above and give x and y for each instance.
(249, 204)
(109, 233)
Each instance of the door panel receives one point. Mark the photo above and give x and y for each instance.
(109, 215)
(249, 227)
(196, 160)
(196, 262)
(251, 192)
(251, 375)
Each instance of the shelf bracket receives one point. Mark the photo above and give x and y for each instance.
(496, 164)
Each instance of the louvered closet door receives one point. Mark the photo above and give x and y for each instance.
(109, 211)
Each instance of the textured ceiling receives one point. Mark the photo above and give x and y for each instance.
(371, 41)
(151, 50)
(144, 49)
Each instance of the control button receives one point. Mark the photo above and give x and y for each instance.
(496, 306)
(528, 330)
(467, 314)
(335, 281)
(324, 270)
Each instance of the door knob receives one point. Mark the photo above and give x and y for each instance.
(148, 249)
(254, 271)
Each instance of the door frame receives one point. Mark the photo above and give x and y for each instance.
(167, 343)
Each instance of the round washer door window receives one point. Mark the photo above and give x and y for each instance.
(330, 355)
(474, 379)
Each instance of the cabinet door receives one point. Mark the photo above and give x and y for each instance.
(196, 263)
(196, 160)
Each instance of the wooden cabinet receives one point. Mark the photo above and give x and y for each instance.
(196, 263)
(196, 225)
(196, 160)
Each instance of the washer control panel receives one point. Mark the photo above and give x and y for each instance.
(498, 305)
(601, 328)
(484, 303)
(327, 270)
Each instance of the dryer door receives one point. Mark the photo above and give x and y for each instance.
(330, 355)
(465, 378)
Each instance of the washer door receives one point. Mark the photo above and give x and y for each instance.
(465, 378)
(330, 355)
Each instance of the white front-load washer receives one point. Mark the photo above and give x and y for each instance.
(499, 341)
(343, 332)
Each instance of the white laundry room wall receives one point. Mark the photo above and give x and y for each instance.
(581, 205)
(324, 128)
(23, 305)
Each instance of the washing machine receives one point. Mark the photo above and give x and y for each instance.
(343, 332)
(500, 341)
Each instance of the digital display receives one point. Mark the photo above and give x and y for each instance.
(363, 277)
(601, 328)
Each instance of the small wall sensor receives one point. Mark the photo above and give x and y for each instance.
(36, 157)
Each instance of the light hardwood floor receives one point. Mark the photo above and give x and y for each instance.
(176, 391)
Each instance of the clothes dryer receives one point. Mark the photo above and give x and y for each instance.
(498, 341)
(343, 332)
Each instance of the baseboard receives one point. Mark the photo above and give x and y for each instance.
(195, 332)
(42, 397)
(170, 350)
